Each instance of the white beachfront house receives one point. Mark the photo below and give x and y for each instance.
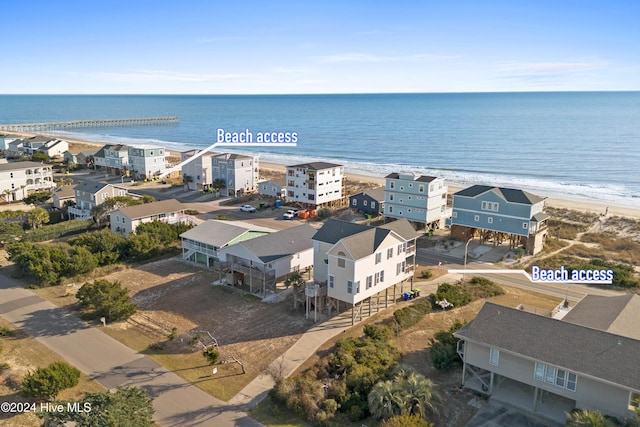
(315, 184)
(125, 220)
(197, 174)
(17, 179)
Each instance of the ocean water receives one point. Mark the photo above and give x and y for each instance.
(578, 145)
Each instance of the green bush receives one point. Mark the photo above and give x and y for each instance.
(480, 287)
(455, 294)
(377, 332)
(411, 315)
(444, 355)
(212, 355)
(46, 383)
(55, 231)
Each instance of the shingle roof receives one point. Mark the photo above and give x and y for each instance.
(91, 186)
(219, 233)
(577, 348)
(66, 191)
(316, 165)
(375, 193)
(365, 243)
(281, 244)
(334, 230)
(149, 209)
(511, 195)
(618, 315)
(421, 178)
(403, 228)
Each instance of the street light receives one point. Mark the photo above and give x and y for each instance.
(466, 247)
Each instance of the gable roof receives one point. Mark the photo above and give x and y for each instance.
(617, 315)
(280, 181)
(365, 243)
(219, 233)
(577, 348)
(376, 194)
(316, 165)
(333, 230)
(65, 192)
(281, 243)
(149, 209)
(403, 228)
(511, 195)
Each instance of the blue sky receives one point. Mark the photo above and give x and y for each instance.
(246, 47)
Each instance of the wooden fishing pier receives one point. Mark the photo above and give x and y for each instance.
(136, 121)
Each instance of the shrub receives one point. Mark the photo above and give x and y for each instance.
(444, 354)
(377, 332)
(212, 355)
(455, 294)
(480, 287)
(106, 299)
(46, 383)
(426, 274)
(411, 315)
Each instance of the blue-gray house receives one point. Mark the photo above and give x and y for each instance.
(368, 201)
(498, 214)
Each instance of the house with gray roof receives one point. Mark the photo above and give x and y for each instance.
(6, 139)
(90, 194)
(364, 268)
(112, 158)
(125, 220)
(420, 199)
(276, 188)
(316, 184)
(65, 194)
(369, 202)
(238, 171)
(17, 179)
(260, 262)
(497, 215)
(202, 243)
(550, 366)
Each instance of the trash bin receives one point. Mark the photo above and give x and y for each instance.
(406, 296)
(416, 293)
(278, 203)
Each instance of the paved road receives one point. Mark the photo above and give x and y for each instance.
(177, 403)
(574, 292)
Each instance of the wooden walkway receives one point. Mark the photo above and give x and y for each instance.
(140, 121)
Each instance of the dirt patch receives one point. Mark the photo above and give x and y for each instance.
(174, 294)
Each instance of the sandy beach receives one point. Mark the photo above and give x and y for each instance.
(76, 146)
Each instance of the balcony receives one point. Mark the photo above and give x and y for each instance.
(78, 213)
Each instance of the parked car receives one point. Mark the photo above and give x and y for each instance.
(290, 214)
(247, 208)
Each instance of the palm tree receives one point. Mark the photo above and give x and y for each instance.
(218, 184)
(418, 395)
(36, 217)
(383, 400)
(587, 418)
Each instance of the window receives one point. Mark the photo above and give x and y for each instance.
(381, 276)
(373, 205)
(476, 218)
(369, 281)
(389, 253)
(561, 377)
(390, 209)
(572, 380)
(525, 225)
(392, 184)
(454, 214)
(364, 203)
(550, 373)
(341, 261)
(378, 257)
(391, 197)
(349, 287)
(634, 401)
(538, 372)
(431, 187)
(490, 220)
(354, 202)
(332, 280)
(421, 188)
(357, 284)
(494, 356)
(377, 278)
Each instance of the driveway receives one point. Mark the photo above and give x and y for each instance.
(176, 402)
